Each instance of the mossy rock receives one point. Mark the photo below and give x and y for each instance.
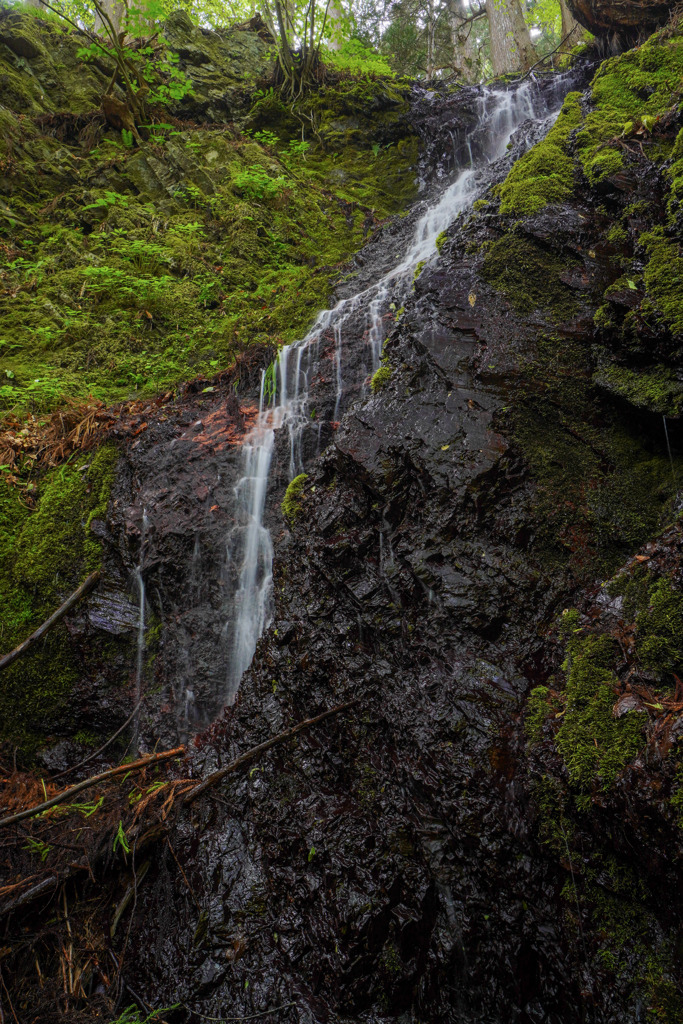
(292, 501)
(529, 275)
(44, 555)
(657, 390)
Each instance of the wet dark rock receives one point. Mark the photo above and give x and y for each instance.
(390, 862)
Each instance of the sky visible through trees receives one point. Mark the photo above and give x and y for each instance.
(463, 41)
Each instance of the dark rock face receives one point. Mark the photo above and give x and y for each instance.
(631, 20)
(393, 862)
(390, 864)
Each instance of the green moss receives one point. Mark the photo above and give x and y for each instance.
(664, 277)
(603, 164)
(617, 235)
(599, 491)
(441, 239)
(546, 173)
(380, 378)
(594, 745)
(634, 587)
(291, 503)
(165, 261)
(658, 390)
(659, 629)
(528, 275)
(630, 90)
(537, 711)
(604, 317)
(479, 204)
(44, 555)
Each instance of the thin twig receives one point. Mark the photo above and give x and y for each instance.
(142, 762)
(104, 746)
(84, 589)
(549, 54)
(255, 751)
(185, 878)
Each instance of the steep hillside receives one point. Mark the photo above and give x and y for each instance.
(471, 500)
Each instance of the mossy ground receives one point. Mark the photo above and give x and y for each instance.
(127, 270)
(529, 274)
(133, 286)
(625, 124)
(603, 480)
(628, 92)
(546, 173)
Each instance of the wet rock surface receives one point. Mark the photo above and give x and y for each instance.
(392, 864)
(417, 857)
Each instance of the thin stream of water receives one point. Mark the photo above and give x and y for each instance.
(500, 113)
(141, 630)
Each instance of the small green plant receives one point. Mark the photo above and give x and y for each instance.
(120, 839)
(38, 847)
(127, 138)
(297, 149)
(133, 1015)
(266, 137)
(108, 199)
(256, 183)
(270, 383)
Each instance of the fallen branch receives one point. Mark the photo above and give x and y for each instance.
(84, 589)
(211, 780)
(142, 762)
(95, 753)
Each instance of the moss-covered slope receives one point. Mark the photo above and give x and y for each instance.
(126, 269)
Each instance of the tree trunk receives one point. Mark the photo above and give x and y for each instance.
(430, 38)
(511, 46)
(116, 11)
(572, 31)
(334, 26)
(462, 41)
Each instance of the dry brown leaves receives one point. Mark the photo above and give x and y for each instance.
(43, 443)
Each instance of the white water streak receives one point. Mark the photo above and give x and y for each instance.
(500, 112)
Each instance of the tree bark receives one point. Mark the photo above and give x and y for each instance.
(334, 25)
(572, 32)
(431, 21)
(462, 41)
(511, 46)
(116, 10)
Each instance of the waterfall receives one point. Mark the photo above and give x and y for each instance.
(141, 632)
(284, 404)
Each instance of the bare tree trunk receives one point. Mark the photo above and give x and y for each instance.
(334, 25)
(430, 38)
(511, 46)
(462, 41)
(572, 32)
(116, 10)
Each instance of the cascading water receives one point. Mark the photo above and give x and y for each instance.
(284, 397)
(141, 631)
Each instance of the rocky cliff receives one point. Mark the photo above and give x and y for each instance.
(484, 555)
